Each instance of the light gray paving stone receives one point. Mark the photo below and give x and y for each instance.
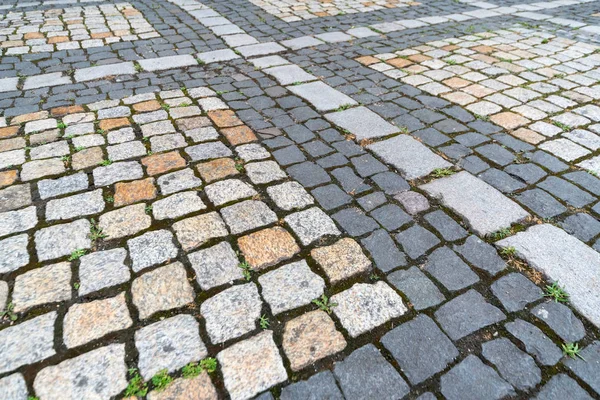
(217, 56)
(17, 221)
(409, 156)
(117, 172)
(168, 62)
(123, 151)
(48, 284)
(466, 314)
(195, 231)
(290, 195)
(12, 158)
(177, 205)
(161, 289)
(311, 225)
(41, 168)
(252, 152)
(483, 207)
(268, 61)
(79, 129)
(163, 143)
(121, 136)
(247, 215)
(102, 71)
(151, 248)
(147, 117)
(100, 373)
(13, 387)
(517, 367)
(364, 307)
(61, 240)
(207, 151)
(45, 80)
(260, 49)
(27, 342)
(251, 366)
(215, 266)
(301, 42)
(78, 205)
(88, 141)
(334, 37)
(565, 149)
(178, 181)
(361, 32)
(8, 84)
(13, 253)
(471, 379)
(564, 259)
(592, 165)
(15, 196)
(228, 191)
(264, 172)
(322, 96)
(157, 128)
(89, 321)
(362, 122)
(102, 269)
(49, 150)
(291, 286)
(204, 134)
(387, 27)
(584, 138)
(124, 221)
(211, 104)
(288, 74)
(169, 344)
(232, 312)
(420, 348)
(114, 112)
(3, 294)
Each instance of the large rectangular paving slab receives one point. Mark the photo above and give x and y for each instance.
(362, 122)
(483, 207)
(162, 63)
(564, 259)
(102, 71)
(409, 156)
(322, 96)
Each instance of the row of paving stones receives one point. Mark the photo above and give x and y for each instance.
(166, 287)
(173, 32)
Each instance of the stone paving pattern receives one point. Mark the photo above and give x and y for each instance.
(325, 199)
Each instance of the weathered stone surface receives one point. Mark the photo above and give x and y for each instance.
(14, 197)
(67, 184)
(564, 259)
(251, 366)
(13, 253)
(319, 386)
(267, 247)
(217, 169)
(85, 322)
(195, 231)
(561, 320)
(484, 208)
(472, 379)
(409, 156)
(88, 203)
(562, 386)
(17, 221)
(421, 292)
(247, 215)
(177, 205)
(309, 338)
(228, 190)
(48, 284)
(3, 294)
(362, 122)
(125, 221)
(100, 373)
(482, 255)
(516, 367)
(13, 387)
(215, 266)
(366, 374)
(178, 181)
(151, 248)
(198, 388)
(420, 348)
(119, 171)
(232, 312)
(311, 225)
(27, 342)
(168, 344)
(264, 172)
(364, 307)
(466, 314)
(322, 96)
(341, 260)
(162, 289)
(516, 291)
(588, 368)
(157, 164)
(102, 269)
(132, 192)
(290, 195)
(535, 342)
(290, 286)
(449, 269)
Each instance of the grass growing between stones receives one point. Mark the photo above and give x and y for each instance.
(136, 387)
(263, 321)
(508, 251)
(161, 380)
(77, 254)
(571, 350)
(246, 270)
(9, 312)
(442, 172)
(324, 303)
(557, 293)
(192, 370)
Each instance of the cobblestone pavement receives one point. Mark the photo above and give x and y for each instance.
(299, 199)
